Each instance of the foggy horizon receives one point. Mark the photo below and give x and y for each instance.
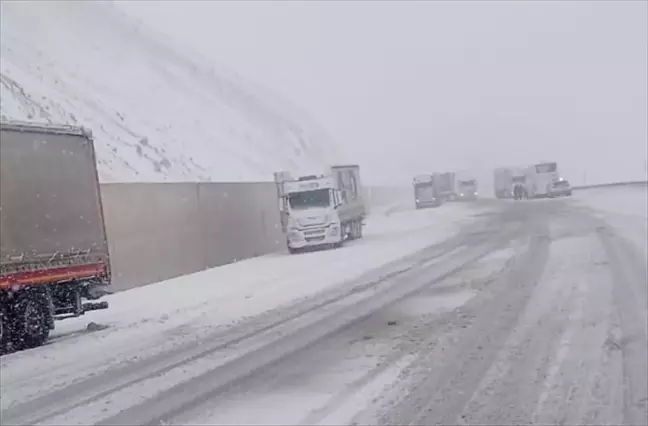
(415, 87)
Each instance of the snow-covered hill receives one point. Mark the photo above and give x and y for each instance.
(157, 113)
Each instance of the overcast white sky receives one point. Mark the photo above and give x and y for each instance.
(413, 87)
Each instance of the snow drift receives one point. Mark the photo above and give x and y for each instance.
(157, 113)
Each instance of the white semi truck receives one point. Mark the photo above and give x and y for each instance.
(467, 188)
(321, 211)
(426, 191)
(539, 178)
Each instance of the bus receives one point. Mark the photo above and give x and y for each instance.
(539, 178)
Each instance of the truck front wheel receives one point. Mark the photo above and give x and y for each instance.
(31, 321)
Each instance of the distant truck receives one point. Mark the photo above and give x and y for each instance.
(447, 185)
(53, 248)
(504, 179)
(322, 210)
(539, 179)
(467, 189)
(426, 191)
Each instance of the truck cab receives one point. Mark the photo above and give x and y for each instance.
(310, 205)
(467, 189)
(426, 192)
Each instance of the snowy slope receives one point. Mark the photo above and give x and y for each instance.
(157, 113)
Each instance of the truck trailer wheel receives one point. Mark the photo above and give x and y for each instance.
(355, 230)
(31, 321)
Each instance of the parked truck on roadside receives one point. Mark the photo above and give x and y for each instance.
(321, 210)
(426, 191)
(53, 247)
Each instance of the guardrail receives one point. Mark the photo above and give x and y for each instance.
(607, 185)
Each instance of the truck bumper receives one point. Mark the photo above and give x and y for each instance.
(424, 204)
(301, 238)
(466, 197)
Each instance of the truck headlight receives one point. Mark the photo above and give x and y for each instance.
(292, 223)
(294, 235)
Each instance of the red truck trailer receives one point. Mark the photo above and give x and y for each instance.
(53, 247)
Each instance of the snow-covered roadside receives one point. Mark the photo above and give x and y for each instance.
(144, 320)
(252, 286)
(624, 208)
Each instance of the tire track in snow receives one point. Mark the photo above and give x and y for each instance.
(630, 297)
(568, 349)
(457, 363)
(186, 396)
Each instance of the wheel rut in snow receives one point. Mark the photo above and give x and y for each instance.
(195, 392)
(630, 299)
(561, 341)
(459, 358)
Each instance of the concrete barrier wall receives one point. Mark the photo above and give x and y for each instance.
(158, 231)
(612, 184)
(237, 221)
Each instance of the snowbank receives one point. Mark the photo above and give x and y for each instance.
(625, 208)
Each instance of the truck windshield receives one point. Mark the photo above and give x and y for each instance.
(545, 168)
(424, 192)
(307, 199)
(467, 183)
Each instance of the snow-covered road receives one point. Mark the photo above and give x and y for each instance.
(498, 313)
(187, 310)
(624, 208)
